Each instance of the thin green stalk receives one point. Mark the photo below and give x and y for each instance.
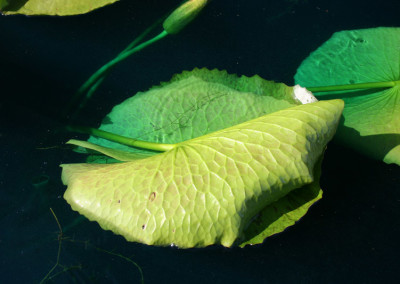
(372, 85)
(90, 86)
(161, 147)
(121, 56)
(143, 35)
(90, 92)
(99, 73)
(128, 53)
(176, 20)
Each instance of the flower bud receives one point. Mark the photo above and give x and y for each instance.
(183, 15)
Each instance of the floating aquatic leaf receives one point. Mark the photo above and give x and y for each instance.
(209, 189)
(51, 7)
(371, 122)
(195, 103)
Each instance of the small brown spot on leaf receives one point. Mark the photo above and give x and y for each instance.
(152, 196)
(119, 201)
(143, 226)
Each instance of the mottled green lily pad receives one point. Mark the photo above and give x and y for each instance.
(51, 7)
(371, 118)
(209, 189)
(192, 104)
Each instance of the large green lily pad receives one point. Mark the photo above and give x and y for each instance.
(371, 118)
(195, 103)
(209, 189)
(51, 7)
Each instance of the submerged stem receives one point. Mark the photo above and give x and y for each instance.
(142, 35)
(129, 52)
(372, 85)
(177, 20)
(86, 91)
(161, 147)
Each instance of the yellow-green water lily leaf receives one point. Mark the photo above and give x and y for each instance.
(193, 104)
(371, 118)
(285, 212)
(51, 7)
(209, 189)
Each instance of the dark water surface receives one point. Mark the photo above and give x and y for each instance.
(351, 236)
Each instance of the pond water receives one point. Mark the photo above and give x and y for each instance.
(350, 236)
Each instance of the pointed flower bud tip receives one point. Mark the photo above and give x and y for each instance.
(183, 15)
